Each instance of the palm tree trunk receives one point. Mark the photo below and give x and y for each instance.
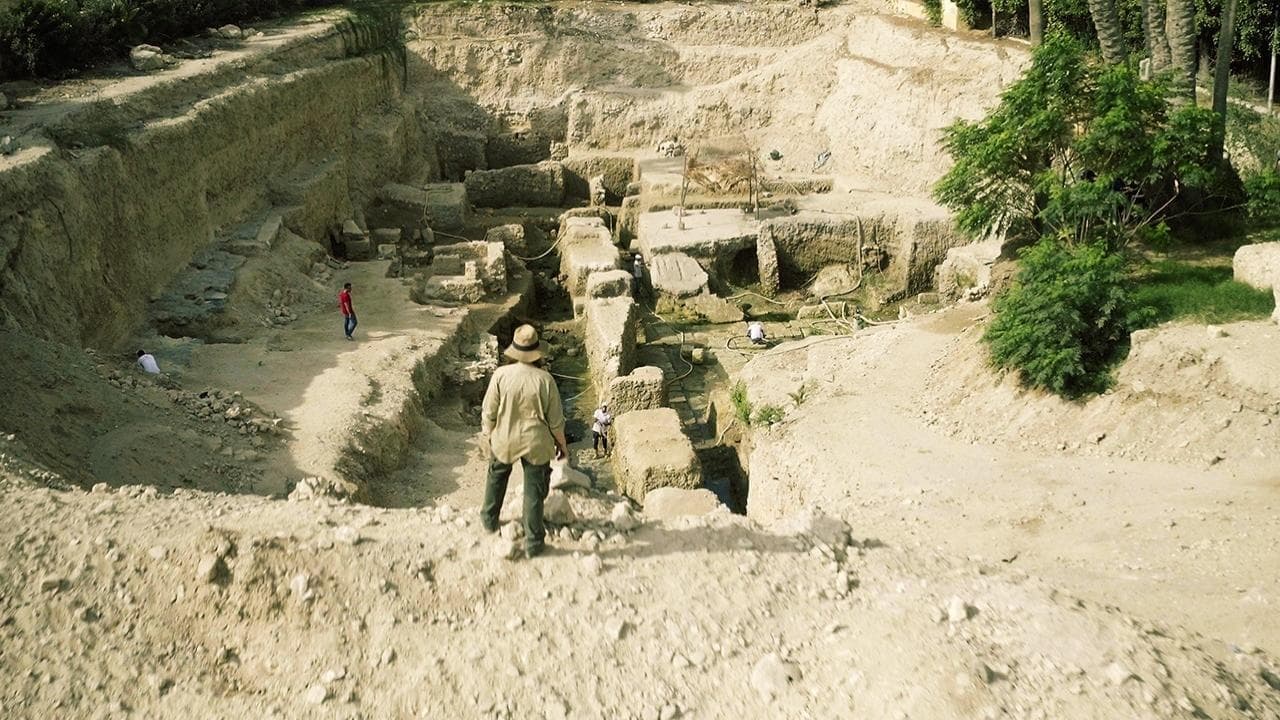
(1222, 75)
(1107, 22)
(1153, 29)
(1180, 25)
(1035, 21)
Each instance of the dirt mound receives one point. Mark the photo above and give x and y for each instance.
(196, 605)
(98, 418)
(1186, 393)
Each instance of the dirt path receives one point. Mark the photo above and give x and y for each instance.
(1183, 544)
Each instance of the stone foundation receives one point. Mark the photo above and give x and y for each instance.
(489, 259)
(616, 171)
(442, 206)
(540, 185)
(644, 389)
(678, 275)
(586, 247)
(610, 329)
(608, 284)
(651, 451)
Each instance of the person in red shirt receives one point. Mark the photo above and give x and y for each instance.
(348, 311)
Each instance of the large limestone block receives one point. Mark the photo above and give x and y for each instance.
(610, 329)
(669, 503)
(966, 269)
(616, 171)
(586, 248)
(447, 289)
(540, 185)
(489, 257)
(609, 284)
(1258, 265)
(644, 389)
(511, 236)
(706, 234)
(441, 205)
(678, 275)
(651, 451)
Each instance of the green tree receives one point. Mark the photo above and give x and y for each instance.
(1110, 33)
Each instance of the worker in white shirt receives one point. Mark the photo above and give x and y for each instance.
(147, 362)
(755, 332)
(600, 429)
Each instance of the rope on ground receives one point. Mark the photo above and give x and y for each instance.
(763, 297)
(455, 237)
(680, 354)
(544, 254)
(568, 377)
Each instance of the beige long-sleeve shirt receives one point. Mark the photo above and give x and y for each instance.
(521, 411)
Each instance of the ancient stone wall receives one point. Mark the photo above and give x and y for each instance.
(610, 329)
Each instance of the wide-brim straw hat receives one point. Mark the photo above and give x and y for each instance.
(524, 345)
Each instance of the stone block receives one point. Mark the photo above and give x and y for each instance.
(610, 329)
(767, 262)
(489, 258)
(644, 389)
(257, 238)
(447, 288)
(540, 185)
(669, 503)
(707, 233)
(608, 284)
(358, 248)
(448, 265)
(386, 236)
(439, 205)
(460, 150)
(586, 247)
(1258, 265)
(966, 268)
(651, 451)
(676, 274)
(616, 173)
(512, 237)
(387, 251)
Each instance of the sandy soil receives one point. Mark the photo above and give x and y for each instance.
(1176, 541)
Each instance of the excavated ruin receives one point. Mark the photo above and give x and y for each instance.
(270, 526)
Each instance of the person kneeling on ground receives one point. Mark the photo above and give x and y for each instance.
(755, 332)
(147, 362)
(600, 430)
(523, 420)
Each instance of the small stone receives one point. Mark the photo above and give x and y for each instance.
(511, 531)
(679, 661)
(100, 488)
(157, 552)
(331, 675)
(771, 676)
(504, 549)
(210, 569)
(50, 583)
(958, 610)
(300, 585)
(316, 694)
(593, 564)
(1117, 674)
(622, 517)
(669, 712)
(1097, 437)
(557, 510)
(388, 657)
(347, 535)
(615, 628)
(1213, 331)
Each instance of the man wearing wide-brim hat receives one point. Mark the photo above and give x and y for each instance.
(523, 420)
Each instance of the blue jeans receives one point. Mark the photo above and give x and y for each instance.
(348, 324)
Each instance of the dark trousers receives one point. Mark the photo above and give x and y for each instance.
(598, 439)
(348, 324)
(537, 483)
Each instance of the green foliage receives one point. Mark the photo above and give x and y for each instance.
(40, 38)
(933, 12)
(767, 415)
(741, 404)
(1263, 190)
(800, 395)
(1172, 290)
(1063, 322)
(1082, 150)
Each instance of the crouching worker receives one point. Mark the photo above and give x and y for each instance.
(523, 420)
(755, 332)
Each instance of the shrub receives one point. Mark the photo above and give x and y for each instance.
(59, 37)
(741, 404)
(767, 415)
(1064, 321)
(933, 11)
